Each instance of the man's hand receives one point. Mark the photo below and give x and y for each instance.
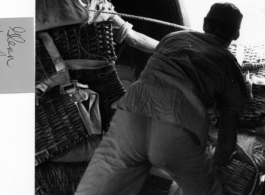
(101, 6)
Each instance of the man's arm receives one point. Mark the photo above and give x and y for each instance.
(133, 38)
(141, 41)
(125, 32)
(227, 135)
(230, 105)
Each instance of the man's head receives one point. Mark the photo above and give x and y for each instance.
(223, 20)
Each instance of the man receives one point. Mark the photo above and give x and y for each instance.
(162, 120)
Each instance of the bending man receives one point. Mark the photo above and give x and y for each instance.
(163, 120)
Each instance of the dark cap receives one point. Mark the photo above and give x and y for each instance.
(226, 13)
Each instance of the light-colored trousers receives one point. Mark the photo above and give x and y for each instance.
(135, 143)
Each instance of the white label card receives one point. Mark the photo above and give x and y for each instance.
(17, 72)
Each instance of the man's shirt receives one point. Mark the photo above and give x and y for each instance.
(189, 72)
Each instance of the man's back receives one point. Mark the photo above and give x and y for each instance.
(207, 62)
(188, 73)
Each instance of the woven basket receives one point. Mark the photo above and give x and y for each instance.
(237, 178)
(242, 175)
(254, 111)
(81, 41)
(63, 178)
(58, 125)
(94, 41)
(58, 178)
(253, 53)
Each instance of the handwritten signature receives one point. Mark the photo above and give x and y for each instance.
(14, 36)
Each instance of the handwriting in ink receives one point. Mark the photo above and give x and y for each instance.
(2, 53)
(13, 37)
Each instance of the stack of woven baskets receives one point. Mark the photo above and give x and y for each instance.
(58, 124)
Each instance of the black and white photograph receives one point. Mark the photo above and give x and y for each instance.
(133, 97)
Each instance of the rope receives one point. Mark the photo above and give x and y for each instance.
(144, 18)
(253, 65)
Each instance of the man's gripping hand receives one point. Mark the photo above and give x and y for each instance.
(101, 6)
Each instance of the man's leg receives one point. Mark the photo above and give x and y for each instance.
(119, 165)
(179, 152)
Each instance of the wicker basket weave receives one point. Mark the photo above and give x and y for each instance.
(58, 178)
(58, 125)
(253, 53)
(63, 178)
(237, 178)
(85, 41)
(81, 41)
